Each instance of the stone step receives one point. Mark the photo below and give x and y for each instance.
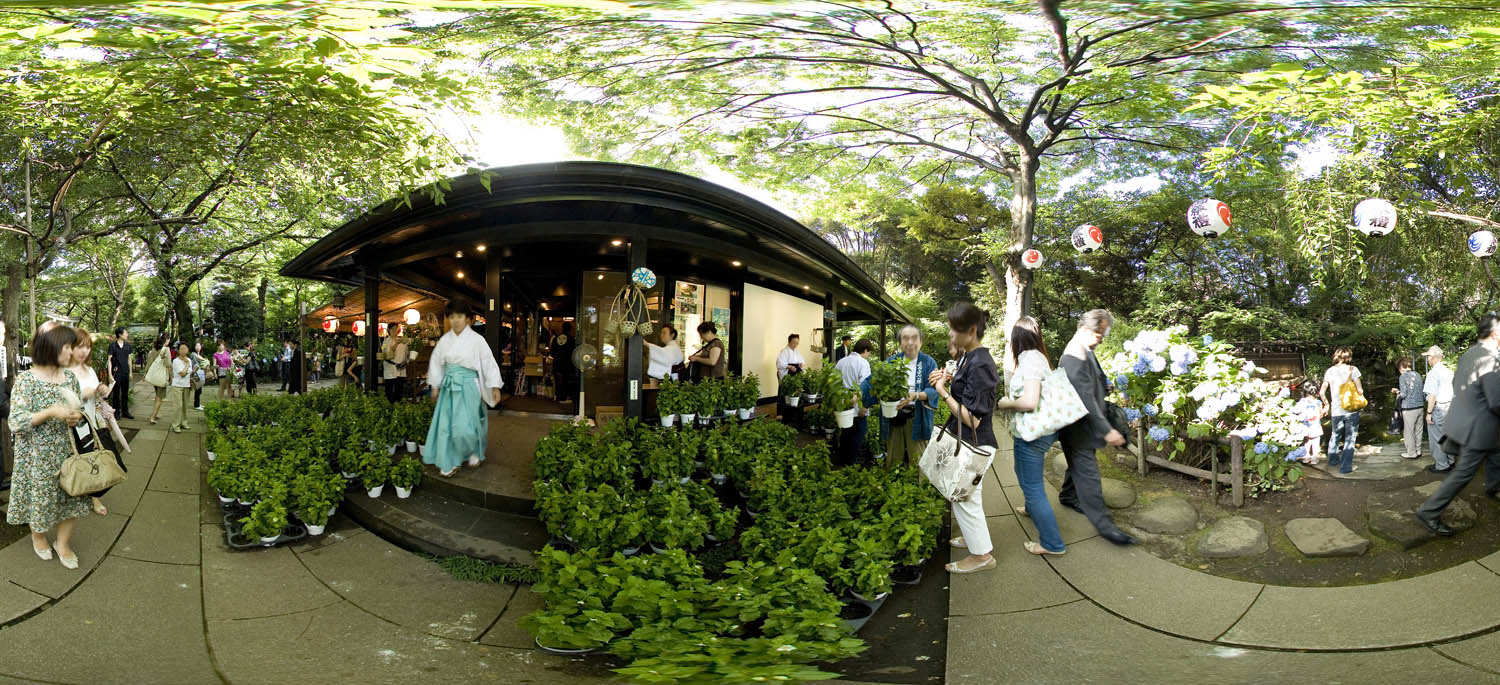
(429, 522)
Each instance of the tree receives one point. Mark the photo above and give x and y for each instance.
(234, 316)
(903, 94)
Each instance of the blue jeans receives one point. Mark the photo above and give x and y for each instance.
(1344, 431)
(1030, 458)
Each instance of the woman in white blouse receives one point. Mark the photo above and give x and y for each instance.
(91, 393)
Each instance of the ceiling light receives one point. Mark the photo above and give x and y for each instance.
(737, 262)
(480, 248)
(844, 303)
(460, 275)
(459, 254)
(601, 277)
(617, 242)
(805, 287)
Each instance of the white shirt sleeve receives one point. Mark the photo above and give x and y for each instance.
(435, 363)
(488, 368)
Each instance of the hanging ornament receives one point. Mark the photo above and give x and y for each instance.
(330, 325)
(1087, 238)
(1209, 218)
(643, 277)
(413, 317)
(1032, 258)
(359, 327)
(1482, 243)
(1375, 217)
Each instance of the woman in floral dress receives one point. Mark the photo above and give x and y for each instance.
(44, 406)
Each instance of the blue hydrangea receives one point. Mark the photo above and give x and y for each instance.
(1262, 448)
(1132, 414)
(1142, 366)
(1159, 434)
(1208, 340)
(1178, 369)
(1121, 381)
(1149, 410)
(1295, 454)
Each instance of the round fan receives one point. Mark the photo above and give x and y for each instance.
(585, 358)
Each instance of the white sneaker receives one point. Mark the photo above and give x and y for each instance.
(474, 461)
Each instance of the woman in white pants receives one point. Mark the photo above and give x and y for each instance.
(971, 400)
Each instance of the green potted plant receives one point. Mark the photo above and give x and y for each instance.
(405, 475)
(266, 521)
(705, 402)
(315, 492)
(677, 524)
(844, 405)
(869, 566)
(669, 402)
(374, 472)
(888, 384)
(792, 388)
(749, 394)
(349, 460)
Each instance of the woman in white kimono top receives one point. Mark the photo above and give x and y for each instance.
(464, 378)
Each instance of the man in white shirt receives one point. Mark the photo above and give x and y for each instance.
(790, 359)
(855, 368)
(661, 358)
(1439, 391)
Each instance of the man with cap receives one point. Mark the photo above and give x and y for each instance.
(1439, 391)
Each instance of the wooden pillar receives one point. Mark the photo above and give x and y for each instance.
(735, 345)
(884, 323)
(493, 308)
(828, 327)
(372, 325)
(635, 370)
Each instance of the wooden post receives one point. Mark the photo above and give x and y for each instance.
(635, 347)
(1141, 466)
(493, 310)
(1213, 469)
(1237, 470)
(372, 326)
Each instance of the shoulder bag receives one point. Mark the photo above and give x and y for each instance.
(96, 470)
(1350, 398)
(953, 466)
(158, 375)
(1058, 406)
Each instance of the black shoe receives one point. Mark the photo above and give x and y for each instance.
(129, 416)
(1432, 468)
(1437, 527)
(1074, 506)
(1120, 537)
(4, 483)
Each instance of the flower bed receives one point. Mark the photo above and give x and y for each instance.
(1195, 391)
(290, 458)
(749, 580)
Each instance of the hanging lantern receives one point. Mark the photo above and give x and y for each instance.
(413, 317)
(1087, 238)
(330, 325)
(380, 329)
(359, 327)
(1482, 243)
(1375, 217)
(1032, 258)
(1209, 218)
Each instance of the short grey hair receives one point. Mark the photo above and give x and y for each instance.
(1096, 319)
(901, 331)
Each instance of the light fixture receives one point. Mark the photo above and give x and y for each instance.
(460, 275)
(737, 263)
(844, 303)
(413, 317)
(381, 328)
(805, 287)
(507, 306)
(330, 325)
(480, 248)
(459, 254)
(359, 327)
(544, 306)
(617, 242)
(601, 277)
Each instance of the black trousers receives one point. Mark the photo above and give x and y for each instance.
(1081, 486)
(395, 389)
(282, 369)
(1464, 470)
(119, 396)
(249, 382)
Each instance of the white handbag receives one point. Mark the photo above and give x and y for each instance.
(1058, 406)
(953, 466)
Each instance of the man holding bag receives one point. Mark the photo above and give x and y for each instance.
(1081, 489)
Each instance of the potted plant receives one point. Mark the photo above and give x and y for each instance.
(869, 568)
(705, 402)
(791, 388)
(678, 524)
(669, 402)
(265, 522)
(687, 404)
(349, 460)
(749, 394)
(844, 407)
(405, 475)
(315, 499)
(888, 384)
(374, 472)
(912, 545)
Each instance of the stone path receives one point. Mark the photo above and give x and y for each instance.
(1119, 614)
(159, 598)
(1374, 462)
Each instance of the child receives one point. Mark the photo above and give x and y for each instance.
(1310, 409)
(464, 377)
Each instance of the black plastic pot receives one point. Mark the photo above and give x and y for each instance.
(856, 614)
(906, 575)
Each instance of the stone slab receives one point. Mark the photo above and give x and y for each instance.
(1392, 515)
(164, 529)
(1117, 493)
(256, 583)
(132, 622)
(1020, 580)
(1081, 643)
(143, 454)
(1171, 515)
(1234, 536)
(995, 503)
(176, 473)
(124, 498)
(341, 644)
(1075, 527)
(1325, 537)
(16, 601)
(1133, 583)
(405, 589)
(91, 540)
(1480, 652)
(507, 631)
(1451, 603)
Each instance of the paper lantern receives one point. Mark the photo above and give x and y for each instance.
(1375, 217)
(359, 327)
(1032, 258)
(643, 277)
(413, 317)
(1209, 218)
(330, 325)
(380, 329)
(1087, 238)
(1482, 243)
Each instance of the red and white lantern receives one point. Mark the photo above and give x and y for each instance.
(359, 326)
(380, 329)
(330, 325)
(1209, 218)
(1087, 238)
(1032, 258)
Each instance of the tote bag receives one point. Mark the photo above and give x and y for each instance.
(953, 466)
(82, 474)
(1350, 398)
(158, 375)
(1058, 406)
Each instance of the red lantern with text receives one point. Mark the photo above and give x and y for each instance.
(1032, 258)
(330, 325)
(380, 329)
(359, 327)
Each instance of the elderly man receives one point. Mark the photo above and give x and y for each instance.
(1439, 391)
(1473, 425)
(907, 434)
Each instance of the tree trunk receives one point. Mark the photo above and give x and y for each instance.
(1022, 228)
(184, 317)
(260, 293)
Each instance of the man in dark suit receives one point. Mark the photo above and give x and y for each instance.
(844, 349)
(1473, 424)
(119, 372)
(296, 373)
(1081, 490)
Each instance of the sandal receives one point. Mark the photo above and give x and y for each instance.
(1037, 549)
(1022, 511)
(958, 543)
(100, 509)
(954, 567)
(448, 474)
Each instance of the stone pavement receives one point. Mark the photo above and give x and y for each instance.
(1119, 614)
(159, 598)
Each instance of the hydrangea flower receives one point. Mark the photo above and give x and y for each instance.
(1159, 434)
(1262, 448)
(1121, 381)
(1178, 369)
(1158, 364)
(1246, 433)
(1149, 410)
(1298, 453)
(1208, 340)
(1142, 366)
(1132, 414)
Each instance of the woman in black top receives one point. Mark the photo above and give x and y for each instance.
(971, 400)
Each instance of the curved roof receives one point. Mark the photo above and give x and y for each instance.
(581, 200)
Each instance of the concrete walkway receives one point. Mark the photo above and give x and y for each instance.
(1119, 614)
(159, 598)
